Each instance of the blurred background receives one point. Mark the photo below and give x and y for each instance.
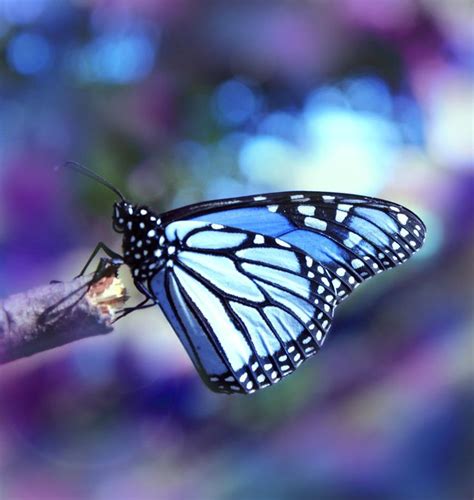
(180, 101)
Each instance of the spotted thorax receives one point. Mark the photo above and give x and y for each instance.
(143, 244)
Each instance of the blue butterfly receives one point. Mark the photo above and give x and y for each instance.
(250, 284)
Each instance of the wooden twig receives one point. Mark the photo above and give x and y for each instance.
(56, 314)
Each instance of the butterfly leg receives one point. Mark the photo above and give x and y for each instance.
(114, 256)
(127, 310)
(141, 305)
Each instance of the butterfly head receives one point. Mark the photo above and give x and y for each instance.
(124, 212)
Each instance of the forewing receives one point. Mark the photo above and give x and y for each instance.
(353, 237)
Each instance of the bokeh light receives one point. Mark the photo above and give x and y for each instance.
(29, 53)
(21, 11)
(346, 138)
(235, 102)
(117, 58)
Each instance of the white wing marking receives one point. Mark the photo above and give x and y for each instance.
(179, 230)
(215, 239)
(301, 308)
(231, 339)
(202, 352)
(285, 324)
(221, 272)
(261, 335)
(293, 282)
(273, 256)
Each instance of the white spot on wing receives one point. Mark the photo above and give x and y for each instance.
(402, 218)
(319, 224)
(357, 263)
(306, 209)
(282, 243)
(342, 212)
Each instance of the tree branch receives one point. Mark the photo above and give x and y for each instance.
(56, 314)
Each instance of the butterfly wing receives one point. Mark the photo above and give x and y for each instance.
(248, 308)
(353, 237)
(252, 287)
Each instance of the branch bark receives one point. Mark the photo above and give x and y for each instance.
(56, 314)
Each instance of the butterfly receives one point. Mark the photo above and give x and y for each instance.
(250, 284)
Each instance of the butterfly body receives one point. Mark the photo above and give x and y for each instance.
(144, 248)
(250, 284)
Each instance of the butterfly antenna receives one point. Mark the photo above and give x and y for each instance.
(92, 175)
